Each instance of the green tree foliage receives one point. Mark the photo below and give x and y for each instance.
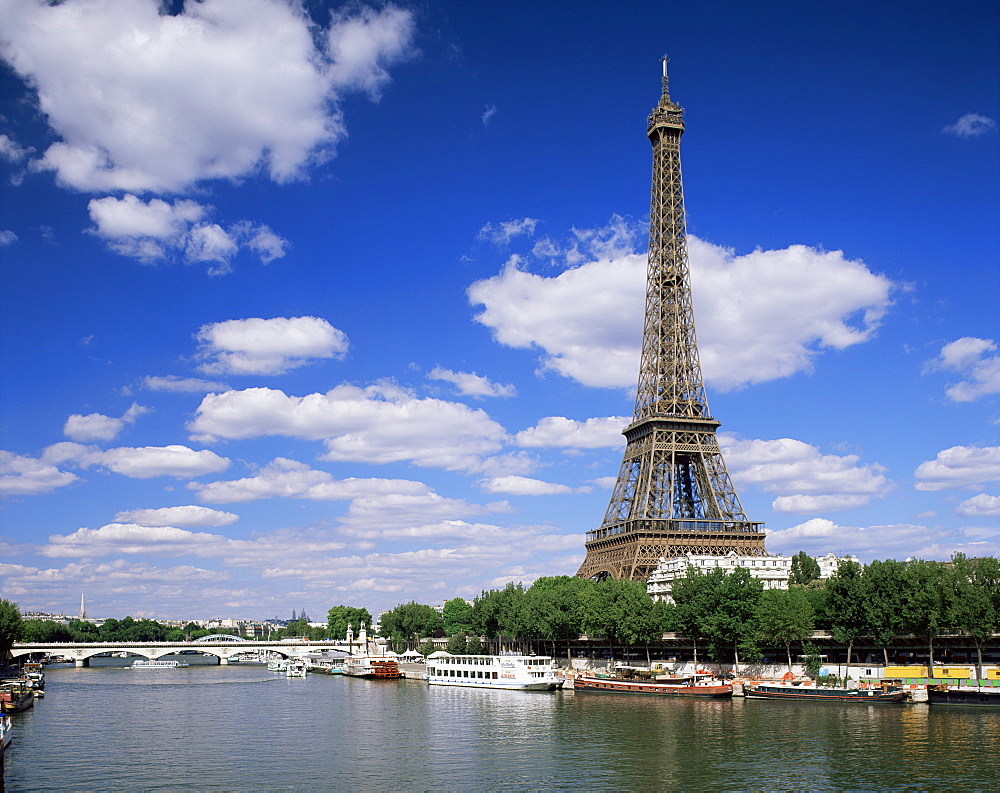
(845, 602)
(457, 616)
(621, 610)
(501, 613)
(554, 607)
(48, 631)
(426, 648)
(975, 607)
(473, 646)
(11, 627)
(804, 569)
(410, 622)
(813, 659)
(882, 584)
(339, 617)
(720, 607)
(457, 644)
(927, 600)
(784, 616)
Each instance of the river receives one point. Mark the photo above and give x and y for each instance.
(241, 727)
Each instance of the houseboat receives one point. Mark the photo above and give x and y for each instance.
(968, 696)
(381, 667)
(661, 685)
(15, 697)
(522, 672)
(823, 693)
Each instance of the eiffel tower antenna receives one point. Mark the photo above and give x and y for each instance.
(673, 494)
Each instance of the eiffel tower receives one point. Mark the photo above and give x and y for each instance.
(673, 494)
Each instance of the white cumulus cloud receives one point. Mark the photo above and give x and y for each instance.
(977, 360)
(98, 427)
(21, 475)
(760, 316)
(472, 384)
(378, 424)
(154, 230)
(983, 505)
(523, 486)
(805, 479)
(965, 467)
(144, 462)
(561, 432)
(267, 346)
(185, 516)
(148, 101)
(286, 478)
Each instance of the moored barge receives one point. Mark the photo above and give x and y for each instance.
(822, 693)
(674, 687)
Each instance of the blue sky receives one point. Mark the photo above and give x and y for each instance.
(309, 304)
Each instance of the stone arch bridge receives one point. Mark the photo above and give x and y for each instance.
(222, 646)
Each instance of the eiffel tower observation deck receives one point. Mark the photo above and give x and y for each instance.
(673, 494)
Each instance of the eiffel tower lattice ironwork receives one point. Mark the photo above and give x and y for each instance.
(673, 494)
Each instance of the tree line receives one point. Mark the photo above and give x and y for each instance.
(728, 614)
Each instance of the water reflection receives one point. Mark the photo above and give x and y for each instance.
(243, 728)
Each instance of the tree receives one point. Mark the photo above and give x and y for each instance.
(731, 619)
(339, 617)
(457, 644)
(426, 648)
(976, 605)
(11, 627)
(881, 585)
(408, 622)
(804, 570)
(621, 610)
(784, 616)
(457, 616)
(690, 596)
(845, 601)
(502, 612)
(927, 600)
(553, 604)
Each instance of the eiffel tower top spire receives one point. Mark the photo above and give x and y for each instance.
(670, 380)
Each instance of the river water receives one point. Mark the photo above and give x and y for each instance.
(241, 727)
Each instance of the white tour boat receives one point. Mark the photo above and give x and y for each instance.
(158, 664)
(522, 672)
(295, 668)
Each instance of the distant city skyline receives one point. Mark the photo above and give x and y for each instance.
(343, 304)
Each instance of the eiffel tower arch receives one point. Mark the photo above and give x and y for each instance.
(673, 494)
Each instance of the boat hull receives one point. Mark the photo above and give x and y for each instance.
(612, 685)
(14, 699)
(507, 686)
(965, 697)
(815, 694)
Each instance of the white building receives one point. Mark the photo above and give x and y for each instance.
(773, 570)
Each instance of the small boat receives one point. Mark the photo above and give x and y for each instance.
(5, 732)
(679, 686)
(277, 665)
(32, 675)
(158, 664)
(823, 693)
(381, 667)
(520, 672)
(968, 696)
(15, 697)
(327, 666)
(295, 668)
